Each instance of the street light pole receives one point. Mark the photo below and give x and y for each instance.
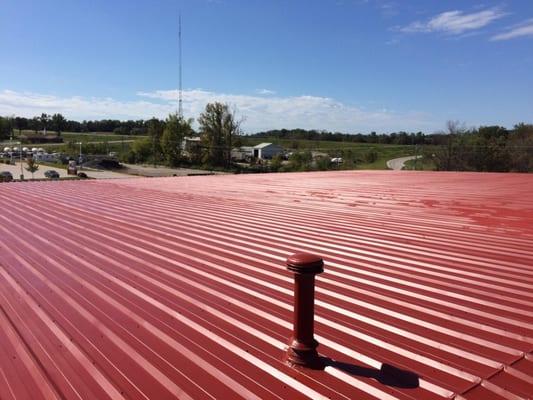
(21, 170)
(11, 152)
(80, 158)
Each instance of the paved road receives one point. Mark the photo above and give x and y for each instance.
(399, 163)
(39, 174)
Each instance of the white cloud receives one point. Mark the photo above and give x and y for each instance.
(310, 112)
(266, 92)
(455, 22)
(258, 112)
(525, 29)
(77, 107)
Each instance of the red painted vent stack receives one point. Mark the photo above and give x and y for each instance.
(302, 346)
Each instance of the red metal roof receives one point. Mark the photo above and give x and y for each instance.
(176, 287)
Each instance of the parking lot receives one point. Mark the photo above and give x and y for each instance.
(39, 174)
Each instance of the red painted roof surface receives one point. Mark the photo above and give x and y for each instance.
(176, 287)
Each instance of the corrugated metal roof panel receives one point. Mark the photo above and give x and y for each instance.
(176, 287)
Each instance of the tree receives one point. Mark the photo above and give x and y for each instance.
(31, 166)
(488, 148)
(121, 130)
(520, 146)
(300, 161)
(323, 163)
(44, 119)
(194, 153)
(276, 163)
(218, 127)
(491, 142)
(155, 131)
(141, 150)
(176, 128)
(5, 127)
(34, 124)
(20, 124)
(449, 157)
(58, 123)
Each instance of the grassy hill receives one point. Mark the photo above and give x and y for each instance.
(384, 152)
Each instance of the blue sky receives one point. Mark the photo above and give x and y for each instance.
(347, 65)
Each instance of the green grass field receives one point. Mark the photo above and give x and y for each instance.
(315, 145)
(96, 137)
(384, 152)
(86, 137)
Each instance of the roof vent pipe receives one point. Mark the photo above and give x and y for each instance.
(302, 346)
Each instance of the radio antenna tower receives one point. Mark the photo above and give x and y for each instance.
(180, 91)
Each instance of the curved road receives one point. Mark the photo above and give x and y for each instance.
(399, 163)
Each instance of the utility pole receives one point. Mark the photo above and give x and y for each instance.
(11, 144)
(153, 151)
(21, 170)
(80, 159)
(180, 90)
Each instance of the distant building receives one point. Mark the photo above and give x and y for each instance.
(265, 151)
(46, 157)
(244, 153)
(190, 144)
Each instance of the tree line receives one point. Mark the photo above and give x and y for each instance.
(401, 138)
(58, 123)
(487, 148)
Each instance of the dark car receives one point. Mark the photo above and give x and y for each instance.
(51, 174)
(82, 175)
(5, 176)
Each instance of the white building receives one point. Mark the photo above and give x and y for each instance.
(190, 143)
(243, 153)
(265, 151)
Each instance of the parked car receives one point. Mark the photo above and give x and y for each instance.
(51, 174)
(82, 175)
(5, 176)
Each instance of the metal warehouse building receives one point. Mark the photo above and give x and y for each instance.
(171, 288)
